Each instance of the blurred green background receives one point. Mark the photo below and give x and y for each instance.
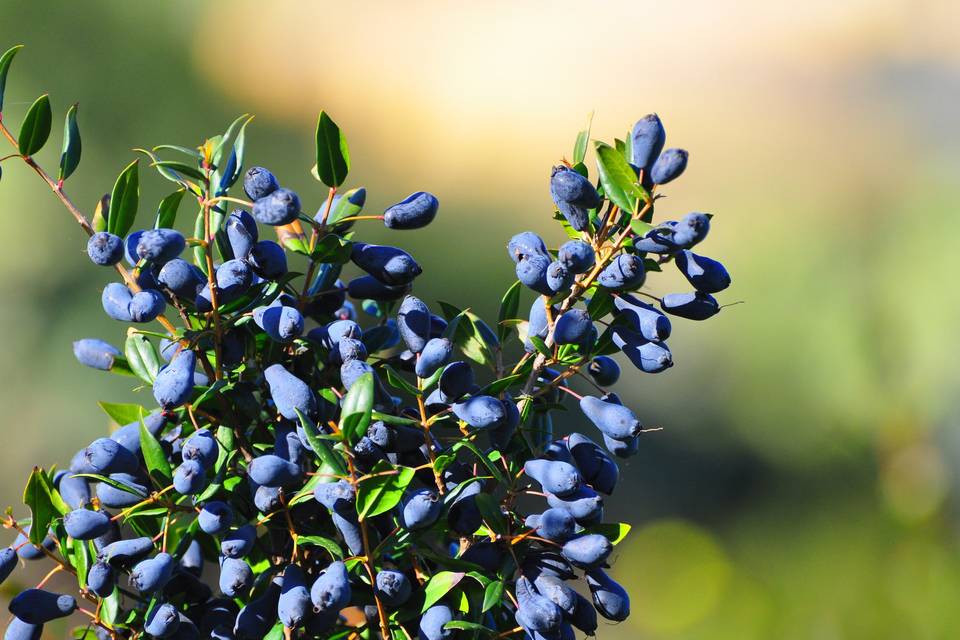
(804, 485)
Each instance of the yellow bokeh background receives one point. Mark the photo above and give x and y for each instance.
(805, 484)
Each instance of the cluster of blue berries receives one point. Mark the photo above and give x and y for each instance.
(329, 457)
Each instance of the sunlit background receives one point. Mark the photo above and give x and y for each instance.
(805, 484)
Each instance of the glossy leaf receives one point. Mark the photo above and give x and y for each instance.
(124, 200)
(333, 155)
(492, 515)
(357, 408)
(35, 129)
(100, 213)
(327, 544)
(329, 460)
(617, 177)
(580, 146)
(70, 155)
(142, 357)
(615, 532)
(509, 305)
(5, 61)
(439, 585)
(463, 625)
(154, 456)
(382, 490)
(182, 168)
(121, 413)
(38, 497)
(492, 595)
(397, 381)
(167, 211)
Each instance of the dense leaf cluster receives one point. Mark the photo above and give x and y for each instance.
(330, 456)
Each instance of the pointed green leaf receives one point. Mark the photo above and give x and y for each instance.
(330, 461)
(100, 213)
(121, 413)
(36, 127)
(395, 380)
(356, 409)
(142, 357)
(617, 177)
(343, 207)
(439, 585)
(509, 306)
(580, 146)
(124, 200)
(5, 61)
(333, 155)
(154, 456)
(492, 595)
(329, 545)
(37, 496)
(490, 510)
(167, 211)
(181, 168)
(382, 490)
(70, 155)
(613, 531)
(463, 625)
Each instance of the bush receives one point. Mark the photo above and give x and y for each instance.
(399, 478)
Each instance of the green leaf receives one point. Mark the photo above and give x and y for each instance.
(167, 211)
(394, 379)
(509, 305)
(382, 491)
(142, 357)
(332, 249)
(182, 168)
(327, 457)
(36, 127)
(276, 633)
(640, 227)
(540, 345)
(492, 595)
(99, 219)
(70, 155)
(122, 413)
(80, 560)
(439, 585)
(463, 625)
(615, 532)
(490, 510)
(494, 470)
(601, 303)
(343, 208)
(357, 409)
(495, 387)
(580, 146)
(391, 419)
(333, 155)
(617, 178)
(124, 200)
(5, 61)
(38, 497)
(329, 545)
(153, 455)
(463, 332)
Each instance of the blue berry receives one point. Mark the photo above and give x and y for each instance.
(95, 353)
(668, 166)
(392, 587)
(215, 517)
(239, 542)
(706, 275)
(273, 471)
(643, 318)
(532, 271)
(436, 353)
(116, 301)
(83, 524)
(572, 327)
(190, 478)
(163, 621)
(415, 211)
(146, 305)
(202, 447)
(110, 496)
(566, 185)
(289, 393)
(174, 384)
(104, 456)
(160, 245)
(625, 272)
(604, 370)
(36, 606)
(105, 249)
(432, 623)
(609, 598)
(242, 233)
(555, 476)
(182, 278)
(149, 576)
(646, 141)
(692, 306)
(413, 322)
(280, 207)
(259, 183)
(577, 256)
(294, 604)
(526, 243)
(389, 265)
(268, 260)
(331, 590)
(615, 420)
(555, 524)
(236, 577)
(420, 509)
